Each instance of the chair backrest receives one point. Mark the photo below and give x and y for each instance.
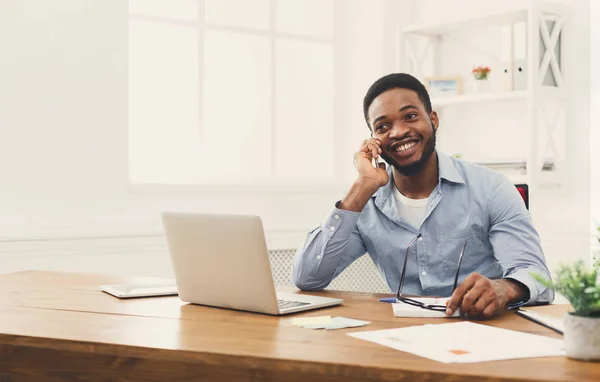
(524, 191)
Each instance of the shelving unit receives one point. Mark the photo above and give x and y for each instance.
(546, 23)
(479, 97)
(437, 29)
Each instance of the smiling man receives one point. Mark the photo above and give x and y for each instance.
(418, 216)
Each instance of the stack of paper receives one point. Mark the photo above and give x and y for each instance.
(465, 342)
(327, 322)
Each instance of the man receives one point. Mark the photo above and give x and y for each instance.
(434, 203)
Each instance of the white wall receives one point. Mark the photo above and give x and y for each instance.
(63, 127)
(63, 122)
(595, 106)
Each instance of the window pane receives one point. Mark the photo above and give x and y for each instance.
(163, 99)
(306, 17)
(237, 94)
(175, 9)
(304, 99)
(238, 13)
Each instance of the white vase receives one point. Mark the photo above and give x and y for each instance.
(482, 86)
(582, 337)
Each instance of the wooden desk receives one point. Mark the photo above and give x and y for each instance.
(60, 327)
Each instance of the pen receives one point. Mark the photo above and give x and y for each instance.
(388, 299)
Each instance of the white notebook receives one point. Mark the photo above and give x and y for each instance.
(555, 323)
(402, 309)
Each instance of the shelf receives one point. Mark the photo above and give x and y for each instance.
(424, 48)
(441, 101)
(515, 170)
(439, 28)
(546, 178)
(515, 165)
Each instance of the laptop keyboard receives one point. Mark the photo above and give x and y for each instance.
(285, 304)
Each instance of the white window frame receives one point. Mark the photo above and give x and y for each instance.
(304, 185)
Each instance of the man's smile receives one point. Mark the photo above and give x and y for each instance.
(405, 148)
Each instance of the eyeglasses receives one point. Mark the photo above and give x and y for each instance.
(410, 301)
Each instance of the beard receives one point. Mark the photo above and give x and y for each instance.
(417, 166)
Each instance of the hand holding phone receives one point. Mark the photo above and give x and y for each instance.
(366, 160)
(372, 175)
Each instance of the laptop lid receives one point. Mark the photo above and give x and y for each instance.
(221, 260)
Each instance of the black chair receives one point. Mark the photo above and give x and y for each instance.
(524, 191)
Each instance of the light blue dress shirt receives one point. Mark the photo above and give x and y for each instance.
(470, 202)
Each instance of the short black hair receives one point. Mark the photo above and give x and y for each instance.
(395, 81)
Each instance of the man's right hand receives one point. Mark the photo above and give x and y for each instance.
(370, 178)
(368, 175)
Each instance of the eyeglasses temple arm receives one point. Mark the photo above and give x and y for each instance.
(458, 268)
(398, 293)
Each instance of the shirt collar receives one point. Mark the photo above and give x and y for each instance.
(447, 169)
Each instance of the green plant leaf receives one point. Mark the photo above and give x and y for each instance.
(578, 284)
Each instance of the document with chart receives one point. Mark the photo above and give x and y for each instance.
(464, 342)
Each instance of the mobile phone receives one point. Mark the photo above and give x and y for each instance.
(376, 161)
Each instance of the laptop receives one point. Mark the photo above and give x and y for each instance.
(222, 261)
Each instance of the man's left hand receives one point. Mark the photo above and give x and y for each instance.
(480, 297)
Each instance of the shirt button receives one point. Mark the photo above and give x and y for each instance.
(319, 257)
(420, 238)
(332, 228)
(337, 217)
(424, 273)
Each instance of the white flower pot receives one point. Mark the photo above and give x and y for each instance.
(482, 86)
(582, 337)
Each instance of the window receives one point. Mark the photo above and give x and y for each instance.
(231, 92)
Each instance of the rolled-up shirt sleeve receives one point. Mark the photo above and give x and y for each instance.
(328, 250)
(516, 242)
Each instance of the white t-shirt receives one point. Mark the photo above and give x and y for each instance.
(413, 210)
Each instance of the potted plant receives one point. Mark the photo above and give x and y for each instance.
(581, 287)
(481, 73)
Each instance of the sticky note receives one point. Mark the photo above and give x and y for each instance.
(320, 320)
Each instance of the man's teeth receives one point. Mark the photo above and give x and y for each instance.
(406, 146)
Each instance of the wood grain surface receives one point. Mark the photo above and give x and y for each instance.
(61, 327)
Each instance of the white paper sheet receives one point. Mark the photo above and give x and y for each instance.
(464, 342)
(338, 323)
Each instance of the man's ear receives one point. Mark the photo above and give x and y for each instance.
(435, 121)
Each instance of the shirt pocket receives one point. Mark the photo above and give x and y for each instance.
(476, 251)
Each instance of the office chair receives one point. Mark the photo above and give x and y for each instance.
(524, 191)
